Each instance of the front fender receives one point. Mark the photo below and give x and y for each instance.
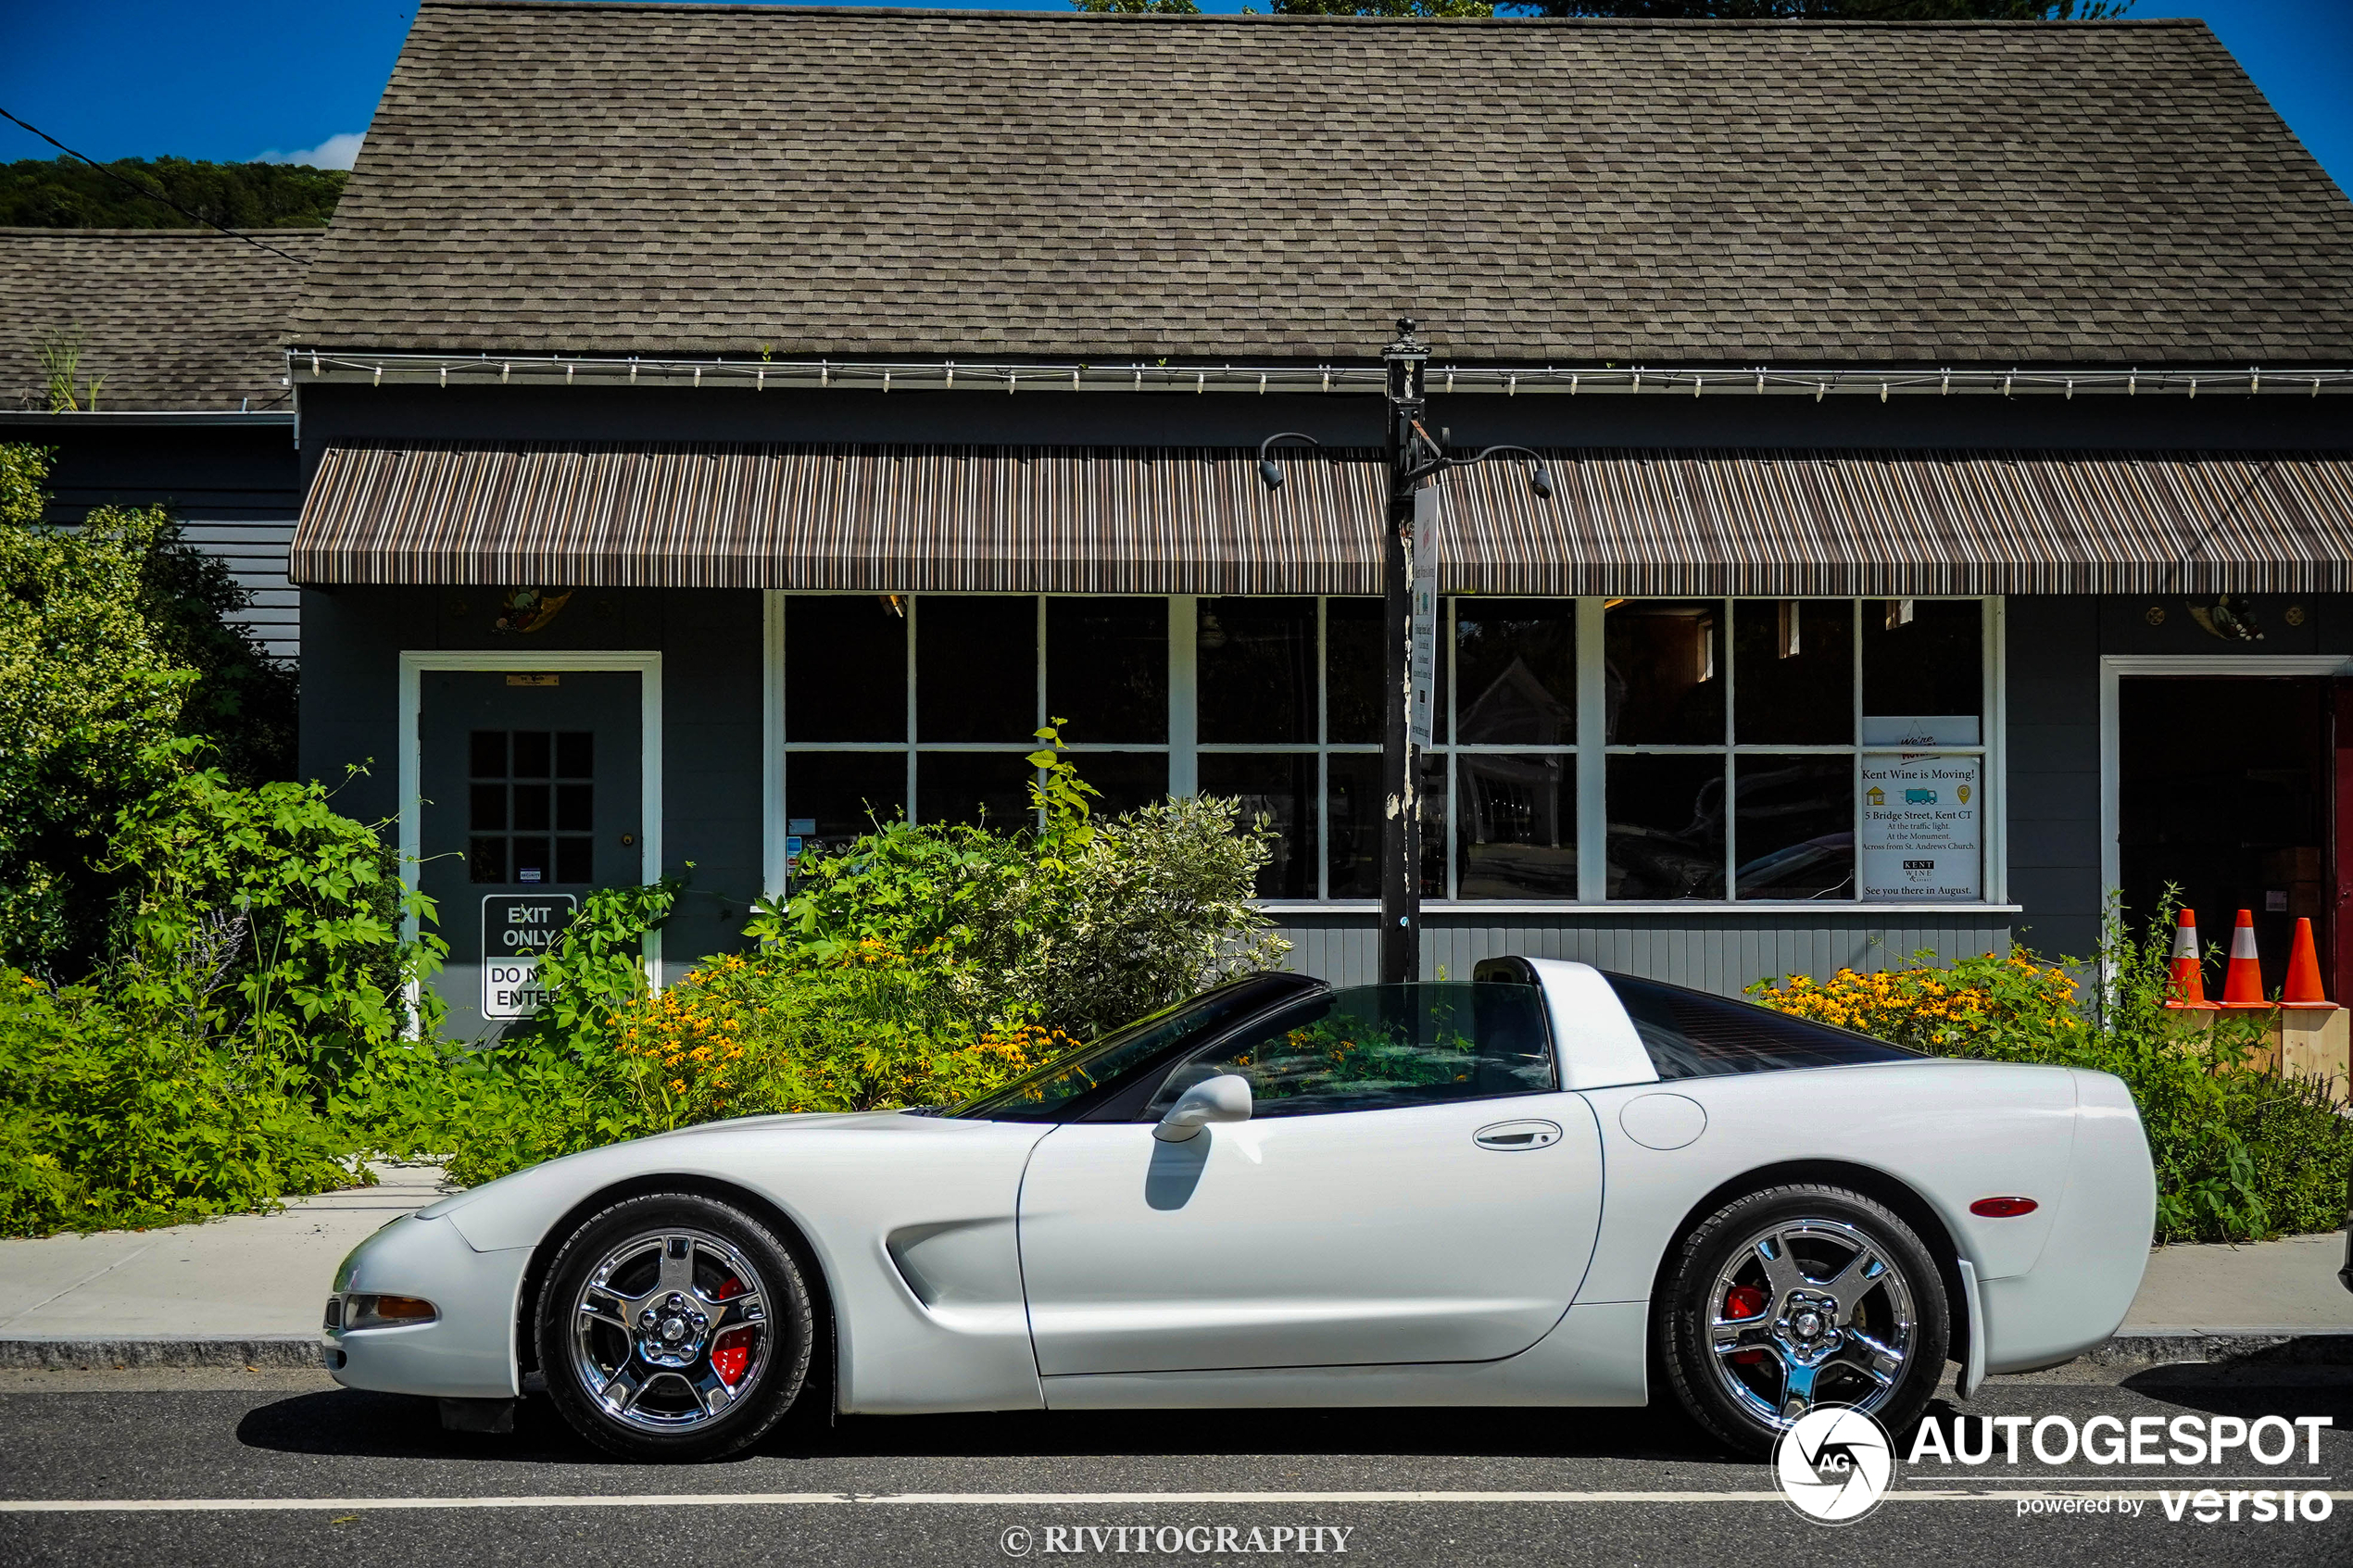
(467, 1351)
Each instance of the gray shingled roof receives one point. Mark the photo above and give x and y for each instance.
(699, 178)
(171, 318)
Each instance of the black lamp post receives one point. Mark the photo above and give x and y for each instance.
(1414, 457)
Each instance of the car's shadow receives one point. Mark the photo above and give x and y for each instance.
(358, 1424)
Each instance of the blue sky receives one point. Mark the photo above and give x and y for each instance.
(241, 79)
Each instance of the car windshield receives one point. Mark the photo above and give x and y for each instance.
(1039, 1096)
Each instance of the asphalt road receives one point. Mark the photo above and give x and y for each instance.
(247, 1460)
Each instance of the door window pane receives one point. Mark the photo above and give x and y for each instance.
(1793, 826)
(1515, 833)
(1666, 827)
(532, 807)
(1664, 671)
(987, 787)
(1281, 788)
(1923, 679)
(575, 808)
(1257, 670)
(976, 667)
(1353, 666)
(533, 756)
(486, 859)
(845, 668)
(1794, 672)
(1375, 1047)
(845, 792)
(533, 863)
(1516, 670)
(1107, 667)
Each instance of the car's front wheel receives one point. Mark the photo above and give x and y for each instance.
(674, 1326)
(1797, 1297)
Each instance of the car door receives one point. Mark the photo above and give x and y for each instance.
(1411, 1187)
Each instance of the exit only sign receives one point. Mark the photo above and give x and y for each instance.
(516, 929)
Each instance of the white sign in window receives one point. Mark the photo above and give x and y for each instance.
(1921, 828)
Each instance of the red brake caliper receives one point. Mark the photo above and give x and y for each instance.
(1744, 1301)
(732, 1352)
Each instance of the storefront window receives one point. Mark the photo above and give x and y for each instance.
(1786, 750)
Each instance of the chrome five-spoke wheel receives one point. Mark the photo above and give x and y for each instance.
(1810, 1312)
(1796, 1297)
(668, 1327)
(675, 1327)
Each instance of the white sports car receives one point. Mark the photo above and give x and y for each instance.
(1543, 1187)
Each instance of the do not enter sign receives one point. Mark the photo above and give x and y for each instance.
(516, 929)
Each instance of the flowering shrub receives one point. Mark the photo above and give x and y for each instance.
(2240, 1152)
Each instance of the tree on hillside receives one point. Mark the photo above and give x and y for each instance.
(62, 194)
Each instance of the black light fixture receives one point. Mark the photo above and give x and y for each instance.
(1268, 474)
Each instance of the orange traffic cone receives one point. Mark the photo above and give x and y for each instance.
(2243, 981)
(2188, 989)
(2303, 970)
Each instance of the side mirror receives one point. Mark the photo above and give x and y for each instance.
(1223, 1098)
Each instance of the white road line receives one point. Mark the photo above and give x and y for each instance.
(986, 1499)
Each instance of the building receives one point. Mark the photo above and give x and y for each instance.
(180, 330)
(721, 423)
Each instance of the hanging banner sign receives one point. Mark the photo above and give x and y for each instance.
(516, 929)
(1422, 692)
(1921, 841)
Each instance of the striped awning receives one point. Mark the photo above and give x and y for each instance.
(1103, 519)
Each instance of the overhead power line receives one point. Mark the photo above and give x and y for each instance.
(122, 178)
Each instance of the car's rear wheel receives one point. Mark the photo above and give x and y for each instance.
(1797, 1297)
(673, 1327)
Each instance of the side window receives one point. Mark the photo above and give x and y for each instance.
(1692, 1034)
(1374, 1047)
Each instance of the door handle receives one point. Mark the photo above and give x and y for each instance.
(1518, 1135)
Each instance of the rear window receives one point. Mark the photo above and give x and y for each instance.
(1692, 1034)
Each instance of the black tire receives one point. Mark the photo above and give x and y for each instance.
(662, 1390)
(1721, 1273)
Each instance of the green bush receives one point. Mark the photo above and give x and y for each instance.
(2241, 1153)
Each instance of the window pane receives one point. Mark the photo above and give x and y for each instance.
(845, 668)
(1793, 826)
(575, 754)
(1516, 828)
(1127, 779)
(486, 859)
(531, 807)
(1794, 672)
(1691, 1035)
(1665, 671)
(1257, 664)
(1353, 669)
(1433, 769)
(974, 786)
(1107, 667)
(839, 789)
(487, 811)
(1352, 813)
(575, 859)
(976, 667)
(575, 808)
(1923, 681)
(1375, 1047)
(531, 754)
(1282, 789)
(1666, 827)
(532, 862)
(488, 751)
(1516, 670)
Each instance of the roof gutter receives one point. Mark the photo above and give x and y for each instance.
(136, 418)
(318, 366)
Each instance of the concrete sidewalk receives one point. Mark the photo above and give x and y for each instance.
(251, 1289)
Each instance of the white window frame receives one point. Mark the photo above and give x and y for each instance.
(1589, 756)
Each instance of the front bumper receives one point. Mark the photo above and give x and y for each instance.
(467, 1351)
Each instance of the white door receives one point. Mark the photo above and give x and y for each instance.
(1410, 1189)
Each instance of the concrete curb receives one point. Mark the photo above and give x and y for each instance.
(2144, 1346)
(61, 1354)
